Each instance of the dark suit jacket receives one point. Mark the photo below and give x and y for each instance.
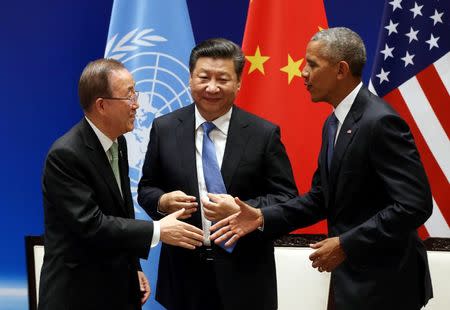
(255, 168)
(92, 244)
(376, 196)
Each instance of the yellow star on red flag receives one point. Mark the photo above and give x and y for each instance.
(257, 61)
(292, 68)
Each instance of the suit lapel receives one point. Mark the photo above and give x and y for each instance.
(125, 184)
(99, 159)
(185, 133)
(348, 131)
(185, 136)
(324, 175)
(236, 140)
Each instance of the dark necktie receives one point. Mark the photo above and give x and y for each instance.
(211, 170)
(332, 128)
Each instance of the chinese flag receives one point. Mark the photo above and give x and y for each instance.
(275, 39)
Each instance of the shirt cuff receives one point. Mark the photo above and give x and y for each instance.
(157, 207)
(156, 234)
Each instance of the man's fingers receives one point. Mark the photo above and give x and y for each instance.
(185, 216)
(186, 204)
(242, 205)
(232, 240)
(214, 197)
(314, 256)
(194, 229)
(189, 198)
(178, 213)
(219, 233)
(224, 237)
(220, 224)
(317, 244)
(195, 237)
(189, 209)
(223, 222)
(186, 245)
(211, 215)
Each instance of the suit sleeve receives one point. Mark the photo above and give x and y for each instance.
(66, 189)
(148, 192)
(396, 162)
(295, 213)
(277, 174)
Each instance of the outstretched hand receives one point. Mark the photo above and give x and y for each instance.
(237, 225)
(178, 233)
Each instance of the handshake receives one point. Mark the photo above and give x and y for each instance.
(232, 217)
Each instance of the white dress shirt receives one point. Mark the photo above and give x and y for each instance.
(344, 107)
(106, 143)
(219, 137)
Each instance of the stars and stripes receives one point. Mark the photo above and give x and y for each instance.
(412, 72)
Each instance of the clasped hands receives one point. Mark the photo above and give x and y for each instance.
(178, 205)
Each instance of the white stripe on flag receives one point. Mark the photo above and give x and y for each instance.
(436, 225)
(443, 69)
(428, 123)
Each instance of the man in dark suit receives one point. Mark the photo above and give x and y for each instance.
(92, 241)
(370, 185)
(254, 165)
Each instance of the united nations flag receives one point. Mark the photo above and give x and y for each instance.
(153, 39)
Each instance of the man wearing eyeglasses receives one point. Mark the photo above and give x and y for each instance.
(92, 241)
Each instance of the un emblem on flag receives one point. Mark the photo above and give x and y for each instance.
(163, 83)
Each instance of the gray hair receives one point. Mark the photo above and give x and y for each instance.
(341, 43)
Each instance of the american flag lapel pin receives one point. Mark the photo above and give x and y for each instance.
(349, 131)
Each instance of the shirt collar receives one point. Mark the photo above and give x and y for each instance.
(345, 105)
(105, 141)
(222, 123)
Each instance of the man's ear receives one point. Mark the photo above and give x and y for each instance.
(343, 69)
(99, 106)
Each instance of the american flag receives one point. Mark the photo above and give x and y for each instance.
(412, 72)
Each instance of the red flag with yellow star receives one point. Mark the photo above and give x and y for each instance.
(275, 39)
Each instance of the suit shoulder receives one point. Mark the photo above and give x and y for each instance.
(255, 120)
(378, 107)
(69, 143)
(380, 114)
(174, 115)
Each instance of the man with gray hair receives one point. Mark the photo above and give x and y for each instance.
(370, 185)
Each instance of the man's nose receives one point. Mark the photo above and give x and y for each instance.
(212, 87)
(305, 73)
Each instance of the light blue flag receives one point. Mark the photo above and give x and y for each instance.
(153, 39)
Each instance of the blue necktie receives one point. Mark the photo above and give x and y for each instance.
(211, 169)
(332, 128)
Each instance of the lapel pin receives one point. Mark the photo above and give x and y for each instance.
(349, 131)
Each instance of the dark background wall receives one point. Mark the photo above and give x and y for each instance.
(44, 46)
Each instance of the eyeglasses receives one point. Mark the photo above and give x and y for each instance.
(132, 99)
